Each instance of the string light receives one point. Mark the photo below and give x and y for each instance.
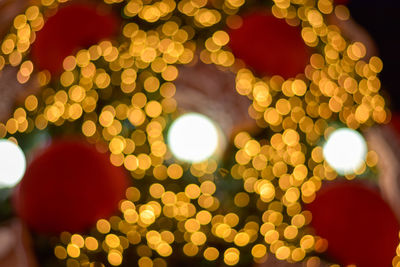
(12, 163)
(193, 138)
(345, 150)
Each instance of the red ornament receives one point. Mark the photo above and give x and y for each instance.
(360, 227)
(269, 45)
(72, 27)
(68, 187)
(341, 2)
(395, 123)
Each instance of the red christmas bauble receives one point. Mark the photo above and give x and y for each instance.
(395, 123)
(72, 27)
(359, 225)
(341, 2)
(69, 186)
(269, 45)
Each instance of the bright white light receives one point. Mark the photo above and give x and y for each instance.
(345, 150)
(193, 138)
(12, 163)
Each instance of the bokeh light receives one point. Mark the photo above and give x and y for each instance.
(193, 138)
(345, 150)
(12, 163)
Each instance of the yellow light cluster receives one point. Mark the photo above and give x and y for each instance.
(122, 93)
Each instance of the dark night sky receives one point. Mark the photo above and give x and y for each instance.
(381, 18)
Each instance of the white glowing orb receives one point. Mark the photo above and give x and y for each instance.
(12, 163)
(193, 138)
(345, 150)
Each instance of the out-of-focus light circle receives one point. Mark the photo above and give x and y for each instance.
(193, 138)
(345, 150)
(12, 163)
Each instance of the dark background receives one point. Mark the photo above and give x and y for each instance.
(381, 18)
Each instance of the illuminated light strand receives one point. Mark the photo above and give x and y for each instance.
(345, 150)
(12, 163)
(193, 138)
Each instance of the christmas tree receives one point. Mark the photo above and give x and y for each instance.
(193, 132)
